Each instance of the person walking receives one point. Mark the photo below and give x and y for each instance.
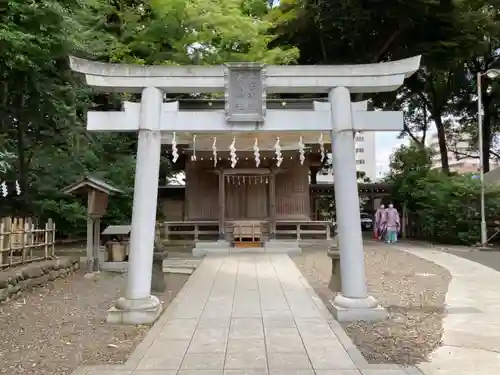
(379, 217)
(392, 224)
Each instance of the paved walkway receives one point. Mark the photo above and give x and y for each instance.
(472, 327)
(489, 259)
(246, 315)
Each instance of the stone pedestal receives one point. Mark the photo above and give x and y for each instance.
(158, 284)
(352, 309)
(335, 284)
(135, 311)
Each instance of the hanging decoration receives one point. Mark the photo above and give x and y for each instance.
(18, 188)
(279, 157)
(3, 187)
(232, 152)
(329, 162)
(175, 152)
(214, 151)
(256, 153)
(193, 157)
(301, 151)
(322, 147)
(239, 180)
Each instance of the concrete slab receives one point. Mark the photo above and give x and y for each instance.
(246, 314)
(471, 330)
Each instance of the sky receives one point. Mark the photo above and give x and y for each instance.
(386, 142)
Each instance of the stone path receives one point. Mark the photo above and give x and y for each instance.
(246, 315)
(472, 327)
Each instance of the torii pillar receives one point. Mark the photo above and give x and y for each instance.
(139, 306)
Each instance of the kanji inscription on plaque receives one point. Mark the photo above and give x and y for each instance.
(245, 95)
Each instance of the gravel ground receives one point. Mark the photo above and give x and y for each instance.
(412, 289)
(54, 329)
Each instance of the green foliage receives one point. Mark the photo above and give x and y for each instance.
(45, 144)
(43, 104)
(444, 207)
(6, 161)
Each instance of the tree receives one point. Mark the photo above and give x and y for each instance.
(339, 32)
(444, 208)
(43, 107)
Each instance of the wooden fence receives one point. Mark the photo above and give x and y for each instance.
(22, 242)
(191, 231)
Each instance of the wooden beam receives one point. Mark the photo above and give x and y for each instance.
(272, 205)
(241, 171)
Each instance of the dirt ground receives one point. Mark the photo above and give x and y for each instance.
(412, 289)
(54, 329)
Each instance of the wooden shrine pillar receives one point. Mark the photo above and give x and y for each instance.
(222, 205)
(314, 174)
(272, 205)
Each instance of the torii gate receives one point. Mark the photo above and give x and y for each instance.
(245, 86)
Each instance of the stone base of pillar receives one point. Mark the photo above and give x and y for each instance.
(90, 265)
(134, 312)
(353, 309)
(95, 264)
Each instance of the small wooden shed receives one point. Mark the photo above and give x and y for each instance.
(97, 193)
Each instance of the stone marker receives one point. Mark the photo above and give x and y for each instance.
(158, 284)
(335, 284)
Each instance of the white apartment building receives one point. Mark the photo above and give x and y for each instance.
(365, 157)
(460, 157)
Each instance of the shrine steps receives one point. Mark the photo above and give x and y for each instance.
(203, 248)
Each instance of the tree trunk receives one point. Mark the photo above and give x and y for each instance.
(22, 158)
(443, 149)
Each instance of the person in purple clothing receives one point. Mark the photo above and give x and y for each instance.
(392, 224)
(379, 216)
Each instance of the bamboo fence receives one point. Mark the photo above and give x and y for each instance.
(22, 242)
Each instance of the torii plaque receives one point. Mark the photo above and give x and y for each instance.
(245, 93)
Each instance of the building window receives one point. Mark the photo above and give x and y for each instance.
(360, 150)
(360, 138)
(360, 162)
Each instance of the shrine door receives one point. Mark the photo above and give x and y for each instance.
(246, 201)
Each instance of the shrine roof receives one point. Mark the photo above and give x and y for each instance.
(89, 182)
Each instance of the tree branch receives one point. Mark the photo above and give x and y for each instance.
(388, 43)
(412, 136)
(466, 155)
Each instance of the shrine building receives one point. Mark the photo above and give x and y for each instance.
(257, 198)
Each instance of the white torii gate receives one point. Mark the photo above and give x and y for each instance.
(245, 112)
